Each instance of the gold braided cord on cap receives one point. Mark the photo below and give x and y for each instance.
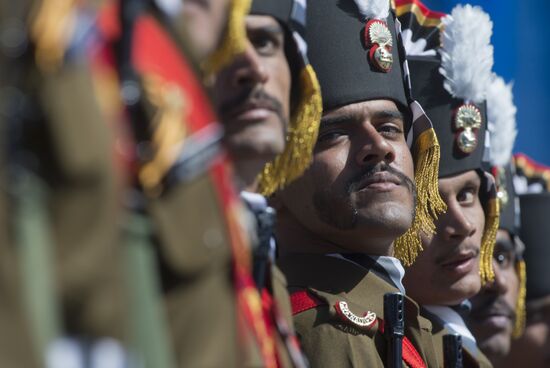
(51, 30)
(300, 140)
(235, 38)
(428, 201)
(488, 240)
(519, 324)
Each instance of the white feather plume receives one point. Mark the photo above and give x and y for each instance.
(466, 53)
(374, 9)
(501, 113)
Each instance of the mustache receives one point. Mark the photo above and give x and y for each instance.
(371, 170)
(249, 96)
(493, 304)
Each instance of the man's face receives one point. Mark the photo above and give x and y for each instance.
(252, 95)
(447, 271)
(532, 349)
(493, 309)
(358, 194)
(205, 21)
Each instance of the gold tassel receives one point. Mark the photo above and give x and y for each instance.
(488, 240)
(301, 138)
(519, 324)
(51, 30)
(235, 38)
(428, 201)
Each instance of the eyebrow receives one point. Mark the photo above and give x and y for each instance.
(505, 244)
(388, 114)
(378, 115)
(273, 29)
(335, 120)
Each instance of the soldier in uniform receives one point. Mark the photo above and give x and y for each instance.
(193, 260)
(531, 349)
(449, 79)
(269, 102)
(63, 265)
(498, 310)
(340, 225)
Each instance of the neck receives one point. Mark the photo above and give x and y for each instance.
(246, 174)
(293, 237)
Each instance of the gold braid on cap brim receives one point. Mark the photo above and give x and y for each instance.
(235, 38)
(519, 324)
(492, 218)
(428, 201)
(300, 140)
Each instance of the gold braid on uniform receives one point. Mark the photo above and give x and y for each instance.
(488, 240)
(519, 324)
(52, 25)
(428, 201)
(300, 140)
(235, 38)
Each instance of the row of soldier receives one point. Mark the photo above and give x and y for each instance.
(236, 183)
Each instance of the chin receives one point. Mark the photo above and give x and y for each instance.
(464, 289)
(497, 346)
(392, 219)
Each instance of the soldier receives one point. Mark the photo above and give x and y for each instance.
(65, 266)
(270, 104)
(449, 80)
(339, 224)
(531, 349)
(186, 230)
(498, 310)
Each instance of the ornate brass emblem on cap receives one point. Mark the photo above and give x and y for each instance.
(365, 322)
(467, 122)
(378, 38)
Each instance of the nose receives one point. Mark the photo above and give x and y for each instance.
(457, 225)
(374, 148)
(250, 71)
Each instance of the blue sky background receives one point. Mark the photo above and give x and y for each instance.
(521, 37)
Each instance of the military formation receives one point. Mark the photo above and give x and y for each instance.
(264, 183)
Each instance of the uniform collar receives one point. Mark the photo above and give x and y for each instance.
(453, 322)
(388, 268)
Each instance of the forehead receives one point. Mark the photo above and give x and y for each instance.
(257, 22)
(364, 108)
(455, 182)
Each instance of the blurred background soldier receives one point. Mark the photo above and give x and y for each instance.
(188, 257)
(63, 269)
(339, 224)
(449, 80)
(498, 310)
(532, 348)
(269, 102)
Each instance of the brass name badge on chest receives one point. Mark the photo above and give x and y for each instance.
(366, 322)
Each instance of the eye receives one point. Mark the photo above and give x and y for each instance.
(330, 136)
(504, 258)
(467, 195)
(390, 130)
(265, 44)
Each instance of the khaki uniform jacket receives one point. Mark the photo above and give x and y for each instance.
(330, 340)
(470, 359)
(195, 257)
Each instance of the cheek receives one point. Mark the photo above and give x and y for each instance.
(279, 82)
(477, 216)
(403, 160)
